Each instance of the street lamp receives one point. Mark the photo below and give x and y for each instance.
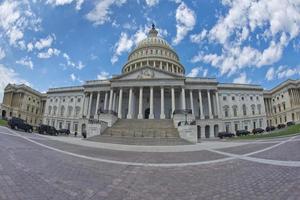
(98, 113)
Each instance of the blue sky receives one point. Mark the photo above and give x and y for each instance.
(53, 43)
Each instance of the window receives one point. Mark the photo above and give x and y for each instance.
(234, 108)
(78, 100)
(275, 110)
(49, 110)
(260, 123)
(70, 109)
(27, 108)
(236, 127)
(282, 96)
(71, 100)
(226, 114)
(62, 110)
(259, 109)
(283, 105)
(224, 98)
(242, 98)
(233, 98)
(253, 109)
(257, 98)
(251, 98)
(279, 108)
(54, 110)
(285, 118)
(77, 111)
(244, 110)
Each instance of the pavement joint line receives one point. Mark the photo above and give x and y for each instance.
(262, 160)
(230, 156)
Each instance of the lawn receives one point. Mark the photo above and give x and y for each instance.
(278, 133)
(3, 122)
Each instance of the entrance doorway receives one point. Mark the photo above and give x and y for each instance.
(147, 113)
(198, 132)
(3, 114)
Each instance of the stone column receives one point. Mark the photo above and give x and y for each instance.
(120, 103)
(173, 100)
(90, 105)
(114, 101)
(183, 105)
(105, 100)
(160, 65)
(129, 114)
(218, 105)
(85, 105)
(97, 105)
(200, 105)
(162, 103)
(140, 115)
(151, 115)
(110, 99)
(192, 102)
(209, 105)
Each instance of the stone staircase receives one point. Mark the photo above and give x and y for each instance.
(141, 132)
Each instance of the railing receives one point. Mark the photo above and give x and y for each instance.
(185, 123)
(182, 111)
(108, 112)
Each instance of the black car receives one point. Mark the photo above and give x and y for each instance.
(64, 131)
(17, 123)
(242, 132)
(221, 135)
(257, 130)
(279, 126)
(46, 129)
(270, 128)
(290, 123)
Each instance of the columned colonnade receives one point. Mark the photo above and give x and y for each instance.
(176, 97)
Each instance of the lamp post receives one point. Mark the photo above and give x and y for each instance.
(98, 113)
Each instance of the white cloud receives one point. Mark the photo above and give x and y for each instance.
(2, 53)
(186, 20)
(43, 43)
(195, 72)
(26, 61)
(275, 23)
(103, 75)
(124, 44)
(282, 72)
(70, 63)
(270, 74)
(242, 79)
(49, 53)
(15, 18)
(152, 2)
(197, 38)
(101, 12)
(8, 75)
(73, 77)
(65, 2)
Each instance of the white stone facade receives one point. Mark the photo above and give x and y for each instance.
(153, 86)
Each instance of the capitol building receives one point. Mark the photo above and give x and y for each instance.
(153, 90)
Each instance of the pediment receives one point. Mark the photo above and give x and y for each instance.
(147, 73)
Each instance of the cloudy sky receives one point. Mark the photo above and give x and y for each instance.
(53, 43)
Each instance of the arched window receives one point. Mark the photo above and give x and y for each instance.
(62, 111)
(226, 111)
(253, 109)
(54, 110)
(49, 110)
(234, 108)
(77, 111)
(279, 108)
(244, 110)
(70, 109)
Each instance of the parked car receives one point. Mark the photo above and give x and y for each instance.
(242, 132)
(221, 135)
(17, 123)
(257, 130)
(46, 129)
(279, 126)
(64, 131)
(290, 123)
(270, 128)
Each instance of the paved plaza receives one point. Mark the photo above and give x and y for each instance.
(37, 167)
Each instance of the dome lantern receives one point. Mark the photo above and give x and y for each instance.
(153, 32)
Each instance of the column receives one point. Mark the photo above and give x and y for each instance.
(110, 100)
(85, 105)
(192, 102)
(120, 103)
(173, 100)
(105, 100)
(129, 114)
(151, 115)
(209, 105)
(140, 115)
(218, 106)
(183, 105)
(162, 103)
(97, 105)
(90, 105)
(200, 105)
(114, 101)
(160, 65)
